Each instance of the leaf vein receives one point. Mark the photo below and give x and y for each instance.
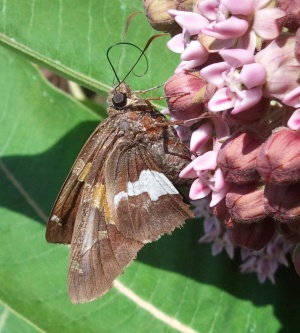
(23, 192)
(17, 314)
(172, 322)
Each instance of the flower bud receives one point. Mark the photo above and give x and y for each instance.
(278, 159)
(245, 203)
(282, 202)
(292, 8)
(222, 214)
(185, 5)
(254, 236)
(288, 233)
(185, 93)
(157, 14)
(252, 115)
(281, 65)
(237, 157)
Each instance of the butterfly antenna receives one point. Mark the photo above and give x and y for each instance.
(138, 59)
(112, 66)
(128, 22)
(129, 18)
(143, 54)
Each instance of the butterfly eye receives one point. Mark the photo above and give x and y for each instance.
(119, 100)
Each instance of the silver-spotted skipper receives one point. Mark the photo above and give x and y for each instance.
(120, 194)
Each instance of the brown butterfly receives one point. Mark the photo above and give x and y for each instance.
(120, 194)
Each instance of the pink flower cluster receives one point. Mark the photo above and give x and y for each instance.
(236, 91)
(263, 262)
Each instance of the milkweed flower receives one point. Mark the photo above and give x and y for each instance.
(239, 78)
(292, 98)
(239, 23)
(224, 23)
(282, 69)
(193, 54)
(209, 178)
(266, 261)
(294, 121)
(240, 114)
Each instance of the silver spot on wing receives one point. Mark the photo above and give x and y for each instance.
(55, 219)
(154, 183)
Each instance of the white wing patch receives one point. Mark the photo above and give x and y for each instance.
(154, 183)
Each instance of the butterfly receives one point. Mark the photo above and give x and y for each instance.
(120, 194)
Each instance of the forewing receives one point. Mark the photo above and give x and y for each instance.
(145, 203)
(99, 252)
(62, 218)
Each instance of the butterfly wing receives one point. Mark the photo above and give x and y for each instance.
(99, 251)
(61, 223)
(115, 219)
(115, 199)
(145, 203)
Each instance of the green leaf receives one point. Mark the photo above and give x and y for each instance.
(71, 37)
(175, 284)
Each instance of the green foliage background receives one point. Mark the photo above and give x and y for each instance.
(42, 131)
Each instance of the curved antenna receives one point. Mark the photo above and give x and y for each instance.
(128, 22)
(143, 53)
(138, 59)
(129, 18)
(112, 66)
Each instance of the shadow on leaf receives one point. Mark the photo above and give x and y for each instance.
(181, 253)
(40, 176)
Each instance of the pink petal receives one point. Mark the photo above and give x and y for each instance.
(281, 65)
(207, 161)
(220, 188)
(265, 24)
(188, 171)
(193, 51)
(174, 12)
(221, 128)
(186, 65)
(223, 99)
(220, 182)
(292, 98)
(253, 75)
(192, 22)
(200, 136)
(238, 7)
(184, 133)
(229, 246)
(165, 111)
(176, 44)
(198, 190)
(230, 28)
(294, 121)
(247, 42)
(209, 8)
(258, 4)
(237, 57)
(217, 247)
(249, 99)
(213, 73)
(217, 196)
(250, 264)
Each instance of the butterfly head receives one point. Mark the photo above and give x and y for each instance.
(121, 98)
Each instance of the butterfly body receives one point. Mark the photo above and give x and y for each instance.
(119, 195)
